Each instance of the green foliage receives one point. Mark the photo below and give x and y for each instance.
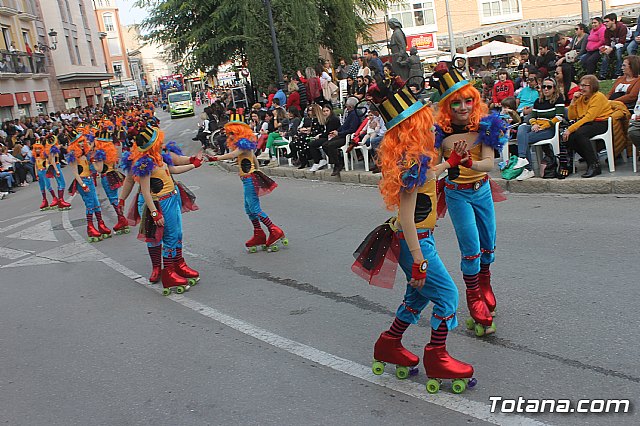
(202, 34)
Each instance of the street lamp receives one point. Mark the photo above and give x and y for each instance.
(53, 38)
(276, 51)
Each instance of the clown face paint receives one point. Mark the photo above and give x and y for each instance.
(461, 109)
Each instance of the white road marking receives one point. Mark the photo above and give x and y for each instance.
(9, 253)
(77, 251)
(19, 224)
(416, 390)
(40, 232)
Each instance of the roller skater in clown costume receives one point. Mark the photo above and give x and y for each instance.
(105, 163)
(159, 206)
(52, 152)
(462, 116)
(39, 160)
(242, 143)
(407, 158)
(79, 161)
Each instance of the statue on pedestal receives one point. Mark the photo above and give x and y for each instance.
(398, 48)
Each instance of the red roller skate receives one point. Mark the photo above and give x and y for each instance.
(44, 205)
(93, 233)
(481, 320)
(63, 205)
(389, 349)
(106, 232)
(54, 203)
(122, 227)
(259, 239)
(484, 281)
(181, 267)
(276, 234)
(171, 280)
(155, 274)
(438, 365)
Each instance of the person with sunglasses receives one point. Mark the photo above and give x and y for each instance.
(547, 111)
(528, 96)
(595, 41)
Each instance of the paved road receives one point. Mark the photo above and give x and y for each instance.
(286, 338)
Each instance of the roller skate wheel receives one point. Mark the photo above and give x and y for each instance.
(193, 281)
(433, 386)
(377, 368)
(252, 249)
(264, 247)
(273, 248)
(285, 242)
(127, 230)
(472, 382)
(479, 330)
(166, 291)
(458, 386)
(470, 323)
(491, 329)
(402, 372)
(180, 289)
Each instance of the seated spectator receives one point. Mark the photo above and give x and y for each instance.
(590, 110)
(634, 125)
(563, 45)
(310, 129)
(564, 78)
(577, 47)
(502, 89)
(11, 163)
(546, 59)
(331, 124)
(528, 96)
(626, 88)
(632, 47)
(524, 59)
(487, 89)
(547, 111)
(351, 86)
(615, 37)
(595, 41)
(521, 81)
(509, 115)
(338, 137)
(361, 88)
(364, 69)
(294, 97)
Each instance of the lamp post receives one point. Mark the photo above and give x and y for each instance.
(274, 41)
(53, 39)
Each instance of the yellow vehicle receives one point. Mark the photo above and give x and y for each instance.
(180, 104)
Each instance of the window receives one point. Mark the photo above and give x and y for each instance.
(6, 38)
(71, 50)
(117, 69)
(41, 108)
(92, 53)
(113, 43)
(413, 14)
(26, 37)
(6, 113)
(77, 50)
(499, 10)
(107, 18)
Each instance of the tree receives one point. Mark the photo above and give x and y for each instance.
(202, 34)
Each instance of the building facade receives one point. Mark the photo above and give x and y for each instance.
(24, 67)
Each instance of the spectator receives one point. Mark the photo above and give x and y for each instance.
(563, 45)
(204, 132)
(364, 68)
(7, 169)
(281, 97)
(272, 93)
(564, 78)
(302, 91)
(591, 110)
(502, 89)
(312, 84)
(634, 125)
(376, 64)
(338, 137)
(626, 88)
(615, 37)
(294, 96)
(524, 59)
(351, 86)
(342, 71)
(528, 96)
(328, 68)
(578, 46)
(487, 89)
(312, 128)
(595, 41)
(331, 123)
(361, 88)
(546, 59)
(547, 111)
(354, 67)
(521, 82)
(632, 48)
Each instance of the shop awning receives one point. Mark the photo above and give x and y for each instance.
(41, 96)
(89, 91)
(98, 90)
(70, 93)
(23, 98)
(6, 100)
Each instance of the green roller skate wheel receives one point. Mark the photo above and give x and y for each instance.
(433, 386)
(180, 289)
(402, 372)
(264, 247)
(479, 330)
(470, 323)
(285, 242)
(127, 230)
(193, 281)
(491, 329)
(274, 248)
(252, 249)
(166, 291)
(458, 386)
(377, 368)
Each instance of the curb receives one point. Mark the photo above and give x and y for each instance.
(571, 185)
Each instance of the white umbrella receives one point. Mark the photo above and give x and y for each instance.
(495, 48)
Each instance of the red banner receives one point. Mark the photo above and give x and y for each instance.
(421, 41)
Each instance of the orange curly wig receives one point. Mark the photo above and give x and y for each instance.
(37, 146)
(155, 152)
(479, 110)
(237, 131)
(109, 149)
(78, 150)
(402, 145)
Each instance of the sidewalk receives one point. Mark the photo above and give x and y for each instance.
(622, 181)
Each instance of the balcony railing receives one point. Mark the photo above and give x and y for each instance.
(22, 63)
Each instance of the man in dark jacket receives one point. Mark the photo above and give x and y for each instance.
(615, 37)
(338, 138)
(546, 59)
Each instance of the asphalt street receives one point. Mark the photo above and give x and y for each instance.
(287, 337)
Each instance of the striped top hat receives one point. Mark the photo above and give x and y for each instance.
(146, 137)
(447, 78)
(73, 134)
(395, 101)
(236, 118)
(104, 136)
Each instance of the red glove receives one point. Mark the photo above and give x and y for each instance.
(454, 159)
(419, 270)
(121, 204)
(195, 161)
(212, 158)
(157, 216)
(84, 187)
(468, 162)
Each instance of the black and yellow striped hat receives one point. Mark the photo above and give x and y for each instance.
(146, 137)
(395, 106)
(447, 79)
(236, 118)
(104, 136)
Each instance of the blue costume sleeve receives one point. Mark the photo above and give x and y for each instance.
(100, 155)
(492, 132)
(71, 157)
(54, 150)
(172, 146)
(416, 175)
(125, 161)
(166, 157)
(440, 136)
(246, 144)
(143, 167)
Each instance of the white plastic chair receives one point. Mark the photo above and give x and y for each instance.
(554, 142)
(607, 137)
(345, 155)
(634, 153)
(286, 148)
